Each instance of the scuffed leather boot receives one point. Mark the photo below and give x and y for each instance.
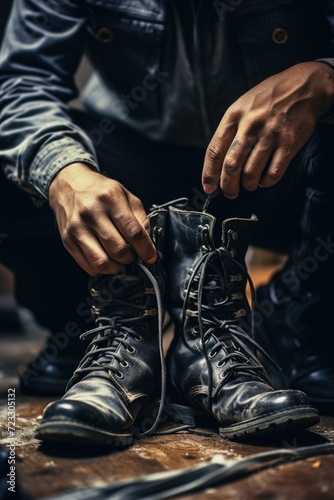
(67, 316)
(212, 365)
(294, 312)
(49, 371)
(118, 388)
(294, 326)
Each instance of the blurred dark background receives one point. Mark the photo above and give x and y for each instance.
(10, 319)
(4, 12)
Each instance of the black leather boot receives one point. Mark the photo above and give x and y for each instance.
(294, 326)
(49, 371)
(117, 391)
(211, 362)
(65, 318)
(294, 312)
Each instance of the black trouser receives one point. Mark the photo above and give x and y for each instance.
(53, 286)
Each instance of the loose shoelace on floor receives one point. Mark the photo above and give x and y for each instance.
(213, 473)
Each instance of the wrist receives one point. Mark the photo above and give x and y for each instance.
(66, 177)
(325, 76)
(327, 60)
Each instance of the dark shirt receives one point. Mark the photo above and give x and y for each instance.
(168, 69)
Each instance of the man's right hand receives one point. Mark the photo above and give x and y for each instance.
(101, 224)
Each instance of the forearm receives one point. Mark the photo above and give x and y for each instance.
(36, 83)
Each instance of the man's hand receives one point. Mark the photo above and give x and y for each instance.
(102, 225)
(264, 129)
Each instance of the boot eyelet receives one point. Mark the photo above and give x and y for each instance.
(138, 338)
(195, 330)
(220, 363)
(130, 349)
(212, 354)
(119, 374)
(96, 310)
(124, 363)
(240, 313)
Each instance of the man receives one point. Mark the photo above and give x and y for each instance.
(232, 89)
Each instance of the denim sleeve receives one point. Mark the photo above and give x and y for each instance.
(329, 59)
(41, 50)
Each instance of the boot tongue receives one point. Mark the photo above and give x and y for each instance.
(217, 293)
(120, 294)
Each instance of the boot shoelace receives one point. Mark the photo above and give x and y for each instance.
(118, 329)
(213, 473)
(228, 329)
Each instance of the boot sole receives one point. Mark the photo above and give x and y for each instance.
(78, 433)
(274, 423)
(290, 420)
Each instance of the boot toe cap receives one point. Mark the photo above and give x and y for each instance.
(76, 422)
(281, 400)
(73, 411)
(267, 412)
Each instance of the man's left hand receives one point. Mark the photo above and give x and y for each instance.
(264, 129)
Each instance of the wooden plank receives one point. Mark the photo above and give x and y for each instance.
(46, 471)
(49, 470)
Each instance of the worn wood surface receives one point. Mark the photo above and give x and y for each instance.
(43, 471)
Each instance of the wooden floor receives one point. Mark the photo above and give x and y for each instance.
(44, 472)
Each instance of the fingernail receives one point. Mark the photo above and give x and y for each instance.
(208, 188)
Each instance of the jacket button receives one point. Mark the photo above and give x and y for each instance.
(279, 36)
(104, 35)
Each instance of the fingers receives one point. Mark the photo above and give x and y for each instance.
(129, 217)
(89, 254)
(215, 154)
(277, 167)
(254, 157)
(102, 249)
(256, 163)
(86, 248)
(103, 226)
(233, 164)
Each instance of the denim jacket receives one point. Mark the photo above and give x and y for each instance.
(167, 68)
